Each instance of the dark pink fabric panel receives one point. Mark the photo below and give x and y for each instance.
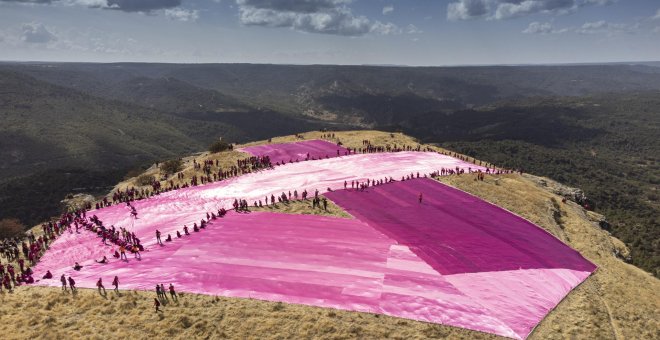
(456, 232)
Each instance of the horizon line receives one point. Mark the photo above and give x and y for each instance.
(638, 62)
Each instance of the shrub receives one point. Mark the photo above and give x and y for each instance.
(11, 227)
(185, 321)
(219, 146)
(143, 180)
(171, 166)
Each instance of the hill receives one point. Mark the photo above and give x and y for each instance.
(617, 301)
(590, 126)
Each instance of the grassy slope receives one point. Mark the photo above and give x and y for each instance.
(305, 208)
(618, 301)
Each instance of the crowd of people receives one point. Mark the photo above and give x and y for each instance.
(17, 256)
(125, 240)
(17, 251)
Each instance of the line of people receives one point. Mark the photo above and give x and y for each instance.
(196, 228)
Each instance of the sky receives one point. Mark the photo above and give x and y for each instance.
(380, 32)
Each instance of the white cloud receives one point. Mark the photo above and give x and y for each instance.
(539, 28)
(36, 33)
(312, 16)
(467, 9)
(507, 9)
(388, 9)
(88, 3)
(181, 14)
(543, 28)
(412, 29)
(657, 15)
(385, 29)
(602, 26)
(593, 27)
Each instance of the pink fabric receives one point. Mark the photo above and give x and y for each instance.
(455, 232)
(305, 259)
(353, 264)
(511, 267)
(288, 152)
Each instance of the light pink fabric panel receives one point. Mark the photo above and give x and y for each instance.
(298, 151)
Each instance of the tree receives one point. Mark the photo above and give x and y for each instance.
(143, 180)
(219, 146)
(11, 227)
(171, 166)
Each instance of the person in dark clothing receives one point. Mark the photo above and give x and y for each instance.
(99, 285)
(172, 292)
(63, 280)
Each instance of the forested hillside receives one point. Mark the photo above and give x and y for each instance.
(56, 140)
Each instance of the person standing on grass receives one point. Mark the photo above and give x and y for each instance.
(72, 284)
(115, 283)
(63, 280)
(173, 293)
(99, 285)
(156, 305)
(7, 282)
(163, 291)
